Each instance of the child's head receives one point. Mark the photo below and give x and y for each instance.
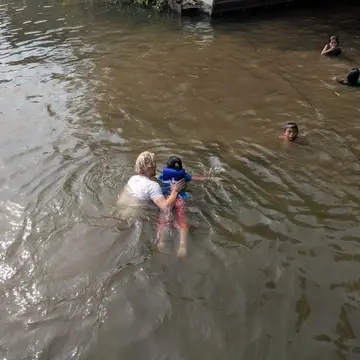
(353, 76)
(291, 131)
(174, 163)
(334, 41)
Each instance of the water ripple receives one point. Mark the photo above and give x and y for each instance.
(85, 88)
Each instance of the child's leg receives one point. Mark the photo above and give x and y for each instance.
(182, 220)
(163, 224)
(161, 237)
(183, 241)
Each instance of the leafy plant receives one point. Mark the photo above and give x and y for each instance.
(157, 5)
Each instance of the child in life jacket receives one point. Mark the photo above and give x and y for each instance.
(173, 173)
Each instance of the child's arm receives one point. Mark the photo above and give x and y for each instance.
(327, 49)
(340, 81)
(324, 49)
(199, 178)
(205, 178)
(343, 82)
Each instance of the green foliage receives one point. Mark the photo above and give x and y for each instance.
(157, 5)
(160, 5)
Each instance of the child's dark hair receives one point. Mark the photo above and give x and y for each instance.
(174, 163)
(336, 38)
(291, 125)
(353, 76)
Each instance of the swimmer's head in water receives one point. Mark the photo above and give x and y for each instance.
(145, 164)
(291, 131)
(334, 40)
(353, 76)
(174, 163)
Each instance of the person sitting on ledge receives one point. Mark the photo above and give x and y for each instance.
(332, 48)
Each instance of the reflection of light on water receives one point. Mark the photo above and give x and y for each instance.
(216, 165)
(6, 272)
(201, 30)
(27, 229)
(10, 213)
(25, 300)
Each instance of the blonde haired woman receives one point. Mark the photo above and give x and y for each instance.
(142, 187)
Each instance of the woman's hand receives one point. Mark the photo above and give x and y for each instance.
(169, 202)
(177, 187)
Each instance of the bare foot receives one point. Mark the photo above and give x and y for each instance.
(182, 250)
(161, 246)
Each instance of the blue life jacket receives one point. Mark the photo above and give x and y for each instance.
(169, 176)
(172, 174)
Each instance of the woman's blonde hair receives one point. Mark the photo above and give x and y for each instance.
(145, 162)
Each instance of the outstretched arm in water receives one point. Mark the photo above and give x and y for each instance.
(205, 178)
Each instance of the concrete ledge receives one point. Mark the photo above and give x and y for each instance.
(216, 6)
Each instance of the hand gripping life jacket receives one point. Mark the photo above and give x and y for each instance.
(171, 175)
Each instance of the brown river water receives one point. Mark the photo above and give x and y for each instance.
(273, 268)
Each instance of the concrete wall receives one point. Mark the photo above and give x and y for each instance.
(216, 6)
(231, 5)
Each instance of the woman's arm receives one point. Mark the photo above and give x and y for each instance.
(163, 203)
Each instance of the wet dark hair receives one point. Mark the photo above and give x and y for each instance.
(336, 38)
(353, 76)
(174, 163)
(291, 125)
